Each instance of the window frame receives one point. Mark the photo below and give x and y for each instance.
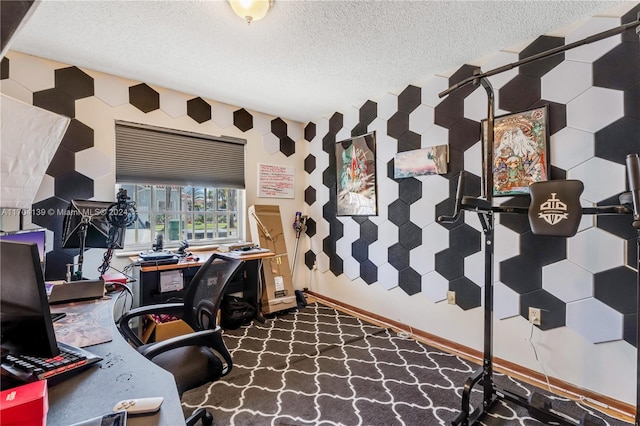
(186, 217)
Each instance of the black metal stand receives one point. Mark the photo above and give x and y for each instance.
(120, 214)
(637, 422)
(82, 236)
(537, 406)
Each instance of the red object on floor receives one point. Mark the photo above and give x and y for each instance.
(25, 405)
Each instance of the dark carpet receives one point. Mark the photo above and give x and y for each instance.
(318, 366)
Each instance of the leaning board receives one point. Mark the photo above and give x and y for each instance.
(266, 229)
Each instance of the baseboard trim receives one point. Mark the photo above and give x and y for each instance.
(612, 407)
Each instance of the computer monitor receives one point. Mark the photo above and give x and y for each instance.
(25, 318)
(36, 236)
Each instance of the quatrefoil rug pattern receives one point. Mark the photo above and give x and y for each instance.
(319, 366)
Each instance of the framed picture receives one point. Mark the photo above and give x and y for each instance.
(420, 162)
(520, 151)
(356, 176)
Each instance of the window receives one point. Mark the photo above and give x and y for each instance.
(196, 214)
(186, 186)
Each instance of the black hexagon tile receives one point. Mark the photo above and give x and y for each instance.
(520, 275)
(74, 82)
(144, 98)
(553, 310)
(468, 294)
(540, 67)
(336, 123)
(78, 136)
(4, 68)
(398, 256)
(55, 100)
(63, 162)
(520, 93)
(311, 227)
(369, 272)
(398, 124)
(368, 231)
(309, 163)
(243, 120)
(310, 195)
(368, 112)
(409, 99)
(410, 235)
(410, 281)
(410, 190)
(617, 288)
(310, 131)
(199, 110)
(287, 146)
(73, 185)
(447, 112)
(608, 73)
(399, 212)
(449, 264)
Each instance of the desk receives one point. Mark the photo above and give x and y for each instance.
(248, 283)
(123, 373)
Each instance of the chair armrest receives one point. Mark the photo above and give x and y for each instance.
(207, 338)
(175, 309)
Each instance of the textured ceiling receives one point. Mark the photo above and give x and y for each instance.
(305, 60)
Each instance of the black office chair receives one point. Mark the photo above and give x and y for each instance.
(196, 358)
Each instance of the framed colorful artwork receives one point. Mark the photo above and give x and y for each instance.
(520, 151)
(420, 162)
(356, 176)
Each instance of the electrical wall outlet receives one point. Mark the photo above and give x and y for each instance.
(535, 316)
(451, 297)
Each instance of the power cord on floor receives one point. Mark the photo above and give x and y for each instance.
(535, 353)
(586, 403)
(404, 334)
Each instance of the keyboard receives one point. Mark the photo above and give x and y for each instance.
(26, 369)
(169, 261)
(156, 255)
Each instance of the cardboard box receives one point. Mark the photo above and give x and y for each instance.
(277, 294)
(25, 405)
(154, 331)
(270, 305)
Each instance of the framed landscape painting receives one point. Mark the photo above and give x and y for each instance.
(420, 162)
(356, 176)
(520, 151)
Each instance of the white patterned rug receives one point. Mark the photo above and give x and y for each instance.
(318, 366)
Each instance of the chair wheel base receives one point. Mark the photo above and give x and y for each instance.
(205, 417)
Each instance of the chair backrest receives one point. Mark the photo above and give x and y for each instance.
(206, 289)
(555, 208)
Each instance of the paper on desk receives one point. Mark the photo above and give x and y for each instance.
(87, 323)
(171, 281)
(245, 253)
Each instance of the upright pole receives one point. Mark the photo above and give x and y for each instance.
(487, 380)
(638, 329)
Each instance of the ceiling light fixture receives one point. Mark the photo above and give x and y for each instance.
(251, 10)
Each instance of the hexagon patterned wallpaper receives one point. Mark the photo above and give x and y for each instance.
(78, 164)
(587, 282)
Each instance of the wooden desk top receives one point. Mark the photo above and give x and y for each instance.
(202, 257)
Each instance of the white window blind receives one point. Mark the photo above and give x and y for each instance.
(154, 155)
